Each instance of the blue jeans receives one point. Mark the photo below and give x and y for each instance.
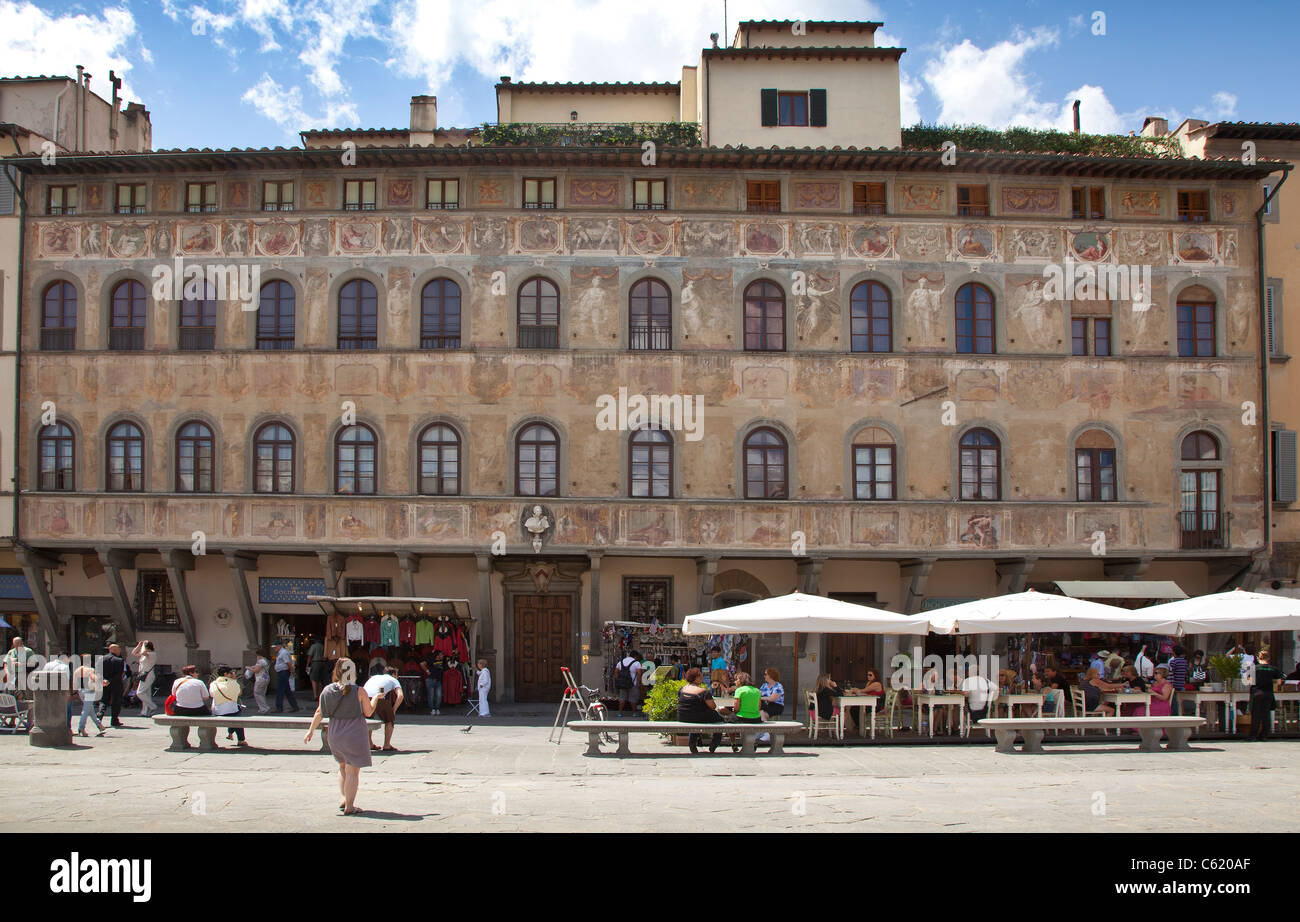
(88, 713)
(433, 689)
(282, 689)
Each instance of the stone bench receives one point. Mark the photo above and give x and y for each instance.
(748, 732)
(208, 726)
(1149, 730)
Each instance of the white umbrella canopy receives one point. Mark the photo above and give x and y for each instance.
(803, 613)
(1038, 612)
(1236, 610)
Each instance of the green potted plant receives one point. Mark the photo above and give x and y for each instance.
(1227, 666)
(662, 702)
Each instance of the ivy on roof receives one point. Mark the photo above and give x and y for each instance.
(1032, 140)
(590, 134)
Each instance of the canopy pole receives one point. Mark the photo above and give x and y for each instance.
(794, 711)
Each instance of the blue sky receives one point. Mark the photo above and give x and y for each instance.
(252, 73)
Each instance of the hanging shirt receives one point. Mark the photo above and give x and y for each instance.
(406, 631)
(356, 630)
(424, 631)
(335, 627)
(371, 626)
(462, 648)
(388, 632)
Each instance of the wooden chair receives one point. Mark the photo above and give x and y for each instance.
(1081, 708)
(1058, 706)
(815, 721)
(887, 713)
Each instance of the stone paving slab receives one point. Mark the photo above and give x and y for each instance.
(507, 777)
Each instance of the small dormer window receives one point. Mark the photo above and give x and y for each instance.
(793, 108)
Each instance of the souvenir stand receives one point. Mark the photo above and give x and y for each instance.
(667, 646)
(401, 632)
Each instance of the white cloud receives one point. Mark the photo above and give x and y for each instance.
(34, 42)
(1223, 104)
(990, 86)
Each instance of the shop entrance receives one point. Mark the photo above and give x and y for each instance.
(543, 642)
(849, 656)
(298, 632)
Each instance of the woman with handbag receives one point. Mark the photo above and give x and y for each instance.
(191, 694)
(225, 700)
(347, 706)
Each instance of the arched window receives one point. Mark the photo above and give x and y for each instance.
(975, 331)
(650, 463)
(355, 461)
(56, 445)
(1094, 467)
(869, 318)
(59, 317)
(439, 461)
(440, 315)
(875, 465)
(1200, 478)
(358, 315)
(275, 310)
(539, 315)
(124, 459)
(981, 466)
(126, 317)
(198, 331)
(764, 317)
(1196, 323)
(766, 465)
(195, 454)
(537, 461)
(273, 459)
(650, 316)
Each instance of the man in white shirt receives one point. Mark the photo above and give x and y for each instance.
(980, 693)
(283, 669)
(484, 686)
(627, 681)
(384, 686)
(1142, 663)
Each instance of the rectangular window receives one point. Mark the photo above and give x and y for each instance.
(60, 199)
(1088, 202)
(277, 196)
(1193, 206)
(973, 201)
(649, 195)
(1094, 475)
(763, 195)
(1268, 204)
(647, 599)
(869, 198)
(1195, 330)
(792, 109)
(873, 472)
(442, 194)
(1090, 335)
(200, 197)
(539, 193)
(368, 587)
(155, 605)
(130, 198)
(359, 195)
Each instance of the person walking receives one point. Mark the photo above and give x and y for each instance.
(260, 673)
(145, 661)
(283, 670)
(384, 688)
(432, 669)
(224, 692)
(347, 706)
(318, 668)
(1262, 701)
(114, 670)
(626, 681)
(192, 695)
(484, 686)
(88, 687)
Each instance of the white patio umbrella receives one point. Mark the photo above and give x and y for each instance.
(804, 614)
(1038, 612)
(1236, 610)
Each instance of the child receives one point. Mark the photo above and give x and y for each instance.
(484, 686)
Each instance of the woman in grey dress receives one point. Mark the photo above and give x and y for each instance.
(347, 706)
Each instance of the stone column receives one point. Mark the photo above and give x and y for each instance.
(115, 561)
(707, 568)
(240, 562)
(409, 563)
(35, 564)
(177, 562)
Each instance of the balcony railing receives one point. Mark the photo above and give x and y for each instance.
(1200, 531)
(651, 338)
(535, 337)
(436, 341)
(356, 343)
(126, 339)
(590, 134)
(198, 339)
(55, 339)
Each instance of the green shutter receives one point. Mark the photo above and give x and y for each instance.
(7, 190)
(770, 116)
(817, 108)
(1284, 466)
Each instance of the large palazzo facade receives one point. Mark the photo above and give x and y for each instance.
(896, 406)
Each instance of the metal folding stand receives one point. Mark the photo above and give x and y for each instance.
(574, 698)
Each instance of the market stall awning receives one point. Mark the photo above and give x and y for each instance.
(1237, 610)
(1120, 588)
(1041, 613)
(806, 614)
(390, 605)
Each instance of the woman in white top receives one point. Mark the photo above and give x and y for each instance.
(225, 699)
(260, 673)
(146, 659)
(191, 694)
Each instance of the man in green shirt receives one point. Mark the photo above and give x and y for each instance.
(15, 663)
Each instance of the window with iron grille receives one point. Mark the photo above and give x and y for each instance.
(275, 316)
(59, 317)
(358, 315)
(649, 195)
(539, 193)
(648, 598)
(155, 605)
(650, 316)
(198, 329)
(1193, 206)
(359, 195)
(539, 315)
(973, 201)
(368, 587)
(60, 199)
(440, 315)
(762, 195)
(1088, 202)
(126, 322)
(442, 194)
(130, 198)
(869, 198)
(277, 196)
(200, 197)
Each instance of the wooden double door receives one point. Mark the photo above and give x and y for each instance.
(543, 643)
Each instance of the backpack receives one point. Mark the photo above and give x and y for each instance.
(622, 675)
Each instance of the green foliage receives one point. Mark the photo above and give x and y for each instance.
(1032, 140)
(578, 134)
(662, 703)
(1226, 666)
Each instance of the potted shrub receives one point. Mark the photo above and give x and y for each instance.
(1227, 667)
(662, 702)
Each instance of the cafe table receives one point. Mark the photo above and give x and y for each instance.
(856, 701)
(1119, 699)
(932, 700)
(1287, 697)
(1011, 699)
(1214, 698)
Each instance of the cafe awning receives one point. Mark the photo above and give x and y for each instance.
(1120, 588)
(1044, 613)
(805, 614)
(401, 606)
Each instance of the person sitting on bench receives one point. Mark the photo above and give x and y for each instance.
(695, 705)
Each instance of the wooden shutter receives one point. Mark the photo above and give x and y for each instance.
(7, 191)
(817, 108)
(769, 102)
(1268, 310)
(1284, 466)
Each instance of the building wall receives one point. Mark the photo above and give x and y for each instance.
(31, 103)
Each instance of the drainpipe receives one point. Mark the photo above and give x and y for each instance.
(21, 199)
(1267, 550)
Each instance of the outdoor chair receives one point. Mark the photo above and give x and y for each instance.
(15, 715)
(815, 721)
(1081, 708)
(886, 714)
(1058, 708)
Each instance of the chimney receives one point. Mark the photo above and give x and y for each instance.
(1153, 126)
(505, 79)
(424, 120)
(1076, 116)
(76, 111)
(713, 37)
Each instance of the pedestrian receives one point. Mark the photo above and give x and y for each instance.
(114, 670)
(145, 660)
(626, 680)
(191, 694)
(260, 673)
(89, 688)
(224, 691)
(283, 670)
(384, 688)
(15, 665)
(432, 669)
(1099, 661)
(1262, 701)
(485, 686)
(1142, 663)
(318, 668)
(347, 706)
